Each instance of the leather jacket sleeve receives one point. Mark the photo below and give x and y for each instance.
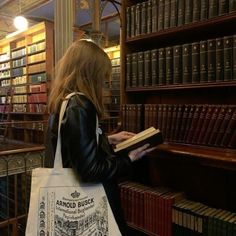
(93, 162)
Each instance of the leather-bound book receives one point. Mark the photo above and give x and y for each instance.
(173, 13)
(187, 63)
(134, 65)
(154, 67)
(162, 66)
(232, 5)
(154, 15)
(211, 48)
(140, 69)
(223, 7)
(232, 142)
(128, 70)
(149, 16)
(196, 10)
(234, 57)
(213, 8)
(147, 68)
(203, 61)
(219, 60)
(195, 63)
(132, 21)
(138, 19)
(144, 18)
(204, 10)
(228, 57)
(128, 22)
(177, 64)
(169, 65)
(167, 14)
(181, 12)
(188, 13)
(161, 9)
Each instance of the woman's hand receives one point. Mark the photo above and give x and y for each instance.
(119, 137)
(138, 153)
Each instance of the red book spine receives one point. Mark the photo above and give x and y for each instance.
(229, 130)
(179, 116)
(183, 123)
(173, 121)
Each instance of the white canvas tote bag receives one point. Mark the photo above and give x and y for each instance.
(60, 205)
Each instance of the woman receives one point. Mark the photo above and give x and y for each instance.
(83, 69)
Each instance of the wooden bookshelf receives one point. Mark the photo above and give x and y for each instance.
(205, 173)
(26, 61)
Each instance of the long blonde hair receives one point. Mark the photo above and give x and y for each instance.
(83, 68)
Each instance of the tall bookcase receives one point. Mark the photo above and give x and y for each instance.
(178, 74)
(26, 60)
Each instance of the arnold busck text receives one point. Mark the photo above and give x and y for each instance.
(75, 204)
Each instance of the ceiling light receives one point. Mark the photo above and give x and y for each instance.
(20, 23)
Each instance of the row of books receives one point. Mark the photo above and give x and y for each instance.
(4, 56)
(18, 53)
(37, 57)
(5, 66)
(36, 47)
(155, 15)
(20, 71)
(163, 212)
(5, 74)
(199, 62)
(31, 108)
(34, 125)
(198, 124)
(19, 62)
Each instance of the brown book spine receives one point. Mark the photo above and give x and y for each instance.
(149, 16)
(232, 142)
(134, 65)
(196, 10)
(216, 127)
(123, 113)
(187, 64)
(154, 15)
(128, 70)
(211, 124)
(219, 60)
(173, 13)
(132, 21)
(162, 66)
(173, 121)
(169, 121)
(164, 120)
(167, 14)
(199, 124)
(188, 17)
(140, 69)
(232, 5)
(144, 18)
(138, 19)
(159, 117)
(147, 68)
(154, 115)
(213, 8)
(178, 121)
(229, 130)
(182, 129)
(223, 7)
(189, 121)
(154, 66)
(223, 126)
(181, 11)
(177, 64)
(128, 22)
(146, 115)
(161, 15)
(204, 10)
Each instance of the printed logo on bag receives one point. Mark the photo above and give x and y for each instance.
(74, 213)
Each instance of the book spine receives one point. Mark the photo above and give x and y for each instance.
(146, 115)
(162, 66)
(132, 20)
(232, 5)
(188, 130)
(211, 46)
(123, 114)
(161, 15)
(173, 13)
(196, 10)
(169, 65)
(213, 8)
(128, 70)
(128, 22)
(147, 68)
(154, 15)
(186, 114)
(140, 69)
(181, 10)
(159, 117)
(234, 57)
(169, 121)
(186, 55)
(229, 130)
(154, 66)
(204, 10)
(232, 142)
(173, 121)
(219, 60)
(223, 126)
(179, 116)
(144, 18)
(134, 64)
(203, 61)
(223, 7)
(149, 16)
(177, 64)
(188, 17)
(138, 19)
(164, 120)
(167, 14)
(228, 57)
(195, 63)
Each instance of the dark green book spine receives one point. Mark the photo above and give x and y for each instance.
(134, 63)
(203, 61)
(144, 18)
(138, 19)
(161, 15)
(188, 18)
(147, 68)
(181, 12)
(128, 22)
(128, 70)
(149, 16)
(169, 65)
(186, 55)
(234, 57)
(196, 10)
(219, 60)
(195, 63)
(204, 10)
(132, 21)
(223, 7)
(173, 13)
(213, 8)
(162, 65)
(140, 69)
(232, 5)
(154, 15)
(228, 57)
(211, 46)
(177, 65)
(154, 66)
(167, 14)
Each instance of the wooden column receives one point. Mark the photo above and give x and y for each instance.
(63, 26)
(96, 21)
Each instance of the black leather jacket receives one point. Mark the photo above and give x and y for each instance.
(93, 163)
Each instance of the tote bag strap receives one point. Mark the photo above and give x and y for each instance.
(58, 156)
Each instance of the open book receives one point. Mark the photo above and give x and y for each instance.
(151, 135)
